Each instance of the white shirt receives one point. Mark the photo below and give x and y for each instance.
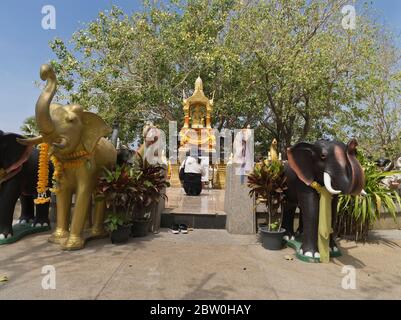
(192, 166)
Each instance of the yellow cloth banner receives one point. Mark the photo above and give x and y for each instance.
(324, 228)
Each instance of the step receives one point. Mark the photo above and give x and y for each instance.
(196, 220)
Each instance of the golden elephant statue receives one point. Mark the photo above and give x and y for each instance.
(76, 140)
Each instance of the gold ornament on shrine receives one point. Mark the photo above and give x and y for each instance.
(197, 130)
(197, 134)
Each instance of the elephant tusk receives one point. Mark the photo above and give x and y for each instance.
(62, 144)
(363, 193)
(388, 167)
(30, 141)
(327, 184)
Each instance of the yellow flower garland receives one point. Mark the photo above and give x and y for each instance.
(58, 169)
(43, 174)
(78, 154)
(76, 159)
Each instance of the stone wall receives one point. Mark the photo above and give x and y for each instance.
(238, 206)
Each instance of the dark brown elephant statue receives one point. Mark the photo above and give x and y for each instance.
(331, 164)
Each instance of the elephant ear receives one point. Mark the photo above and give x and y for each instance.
(11, 151)
(94, 129)
(300, 159)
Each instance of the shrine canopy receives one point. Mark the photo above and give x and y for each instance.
(197, 132)
(197, 135)
(193, 108)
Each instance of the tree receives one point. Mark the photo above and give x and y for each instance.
(29, 127)
(305, 69)
(285, 67)
(383, 130)
(135, 68)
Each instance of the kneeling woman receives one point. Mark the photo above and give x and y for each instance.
(192, 178)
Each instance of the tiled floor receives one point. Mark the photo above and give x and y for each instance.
(208, 202)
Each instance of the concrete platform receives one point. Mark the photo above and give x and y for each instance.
(205, 211)
(204, 264)
(210, 201)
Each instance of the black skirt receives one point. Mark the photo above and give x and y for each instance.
(193, 184)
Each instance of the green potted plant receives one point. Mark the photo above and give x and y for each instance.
(119, 227)
(356, 214)
(117, 187)
(150, 181)
(267, 182)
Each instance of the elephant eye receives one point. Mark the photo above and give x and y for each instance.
(71, 118)
(323, 157)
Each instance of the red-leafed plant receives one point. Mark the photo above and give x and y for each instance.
(118, 188)
(129, 191)
(150, 181)
(267, 182)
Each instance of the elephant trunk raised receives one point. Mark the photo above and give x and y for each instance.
(42, 110)
(78, 144)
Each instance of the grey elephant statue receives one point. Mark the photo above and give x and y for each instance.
(18, 179)
(331, 164)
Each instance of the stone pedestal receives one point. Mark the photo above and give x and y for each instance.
(157, 209)
(239, 207)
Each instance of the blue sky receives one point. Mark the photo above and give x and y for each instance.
(24, 45)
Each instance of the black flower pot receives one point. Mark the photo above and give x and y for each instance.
(140, 228)
(272, 240)
(121, 235)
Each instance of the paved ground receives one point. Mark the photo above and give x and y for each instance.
(205, 264)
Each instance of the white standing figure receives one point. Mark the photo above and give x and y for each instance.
(243, 151)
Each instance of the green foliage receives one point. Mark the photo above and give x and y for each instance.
(378, 128)
(287, 68)
(117, 187)
(114, 220)
(275, 226)
(267, 182)
(29, 127)
(128, 190)
(150, 180)
(356, 214)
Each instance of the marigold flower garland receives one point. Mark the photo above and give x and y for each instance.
(76, 160)
(43, 174)
(58, 169)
